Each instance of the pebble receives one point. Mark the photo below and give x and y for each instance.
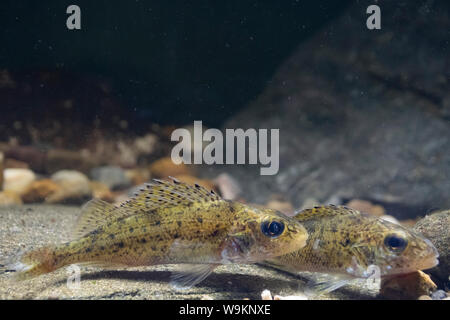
(9, 198)
(266, 295)
(407, 287)
(390, 219)
(15, 164)
(367, 207)
(165, 167)
(61, 159)
(146, 144)
(228, 187)
(439, 295)
(112, 176)
(39, 190)
(436, 228)
(309, 203)
(74, 185)
(138, 175)
(282, 206)
(18, 180)
(101, 191)
(33, 156)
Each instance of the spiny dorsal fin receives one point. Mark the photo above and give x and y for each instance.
(166, 194)
(324, 211)
(96, 213)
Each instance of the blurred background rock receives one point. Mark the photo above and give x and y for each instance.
(363, 115)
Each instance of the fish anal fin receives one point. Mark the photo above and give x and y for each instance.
(326, 283)
(96, 213)
(190, 275)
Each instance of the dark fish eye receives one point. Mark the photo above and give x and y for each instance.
(272, 229)
(395, 243)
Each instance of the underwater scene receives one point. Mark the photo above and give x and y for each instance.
(225, 150)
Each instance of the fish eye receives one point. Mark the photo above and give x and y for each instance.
(395, 243)
(272, 229)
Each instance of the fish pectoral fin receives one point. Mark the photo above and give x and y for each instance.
(190, 275)
(327, 284)
(96, 213)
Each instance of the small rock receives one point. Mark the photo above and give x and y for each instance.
(112, 176)
(424, 297)
(282, 206)
(120, 198)
(34, 157)
(439, 295)
(60, 159)
(390, 219)
(18, 180)
(309, 203)
(9, 198)
(436, 228)
(266, 295)
(410, 223)
(165, 167)
(138, 175)
(39, 190)
(366, 206)
(15, 164)
(228, 187)
(146, 144)
(74, 185)
(335, 200)
(101, 191)
(407, 287)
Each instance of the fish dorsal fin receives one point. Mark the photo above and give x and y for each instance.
(96, 213)
(324, 211)
(166, 194)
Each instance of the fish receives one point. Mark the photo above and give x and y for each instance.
(169, 222)
(348, 244)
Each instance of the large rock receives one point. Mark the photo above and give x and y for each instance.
(362, 114)
(436, 228)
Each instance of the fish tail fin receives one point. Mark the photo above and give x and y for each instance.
(33, 263)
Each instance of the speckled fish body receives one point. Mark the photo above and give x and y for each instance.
(170, 222)
(347, 242)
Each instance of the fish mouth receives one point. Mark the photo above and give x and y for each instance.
(431, 260)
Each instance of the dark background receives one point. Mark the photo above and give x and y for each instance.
(169, 62)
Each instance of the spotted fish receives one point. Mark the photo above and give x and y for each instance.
(170, 222)
(350, 244)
